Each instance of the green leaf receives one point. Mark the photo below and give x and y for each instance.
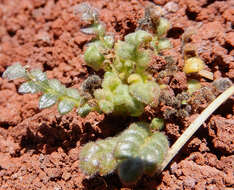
(56, 85)
(14, 72)
(142, 60)
(157, 124)
(109, 41)
(72, 92)
(144, 92)
(65, 106)
(103, 94)
(138, 142)
(89, 30)
(39, 75)
(134, 78)
(138, 37)
(84, 110)
(47, 100)
(163, 26)
(28, 87)
(96, 157)
(126, 104)
(130, 170)
(93, 58)
(125, 50)
(110, 81)
(106, 106)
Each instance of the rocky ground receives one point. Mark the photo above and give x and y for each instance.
(39, 148)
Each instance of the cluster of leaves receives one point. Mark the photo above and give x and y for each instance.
(136, 151)
(52, 90)
(127, 87)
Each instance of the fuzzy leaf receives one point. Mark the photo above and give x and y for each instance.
(106, 106)
(97, 29)
(84, 110)
(142, 60)
(138, 37)
(103, 94)
(130, 170)
(47, 100)
(14, 72)
(110, 81)
(109, 41)
(163, 26)
(157, 124)
(56, 85)
(28, 87)
(93, 57)
(144, 92)
(65, 106)
(138, 142)
(39, 75)
(89, 30)
(96, 157)
(125, 50)
(126, 104)
(72, 92)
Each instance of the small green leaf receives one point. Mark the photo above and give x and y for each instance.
(103, 94)
(47, 100)
(163, 26)
(28, 87)
(72, 92)
(39, 75)
(14, 72)
(97, 29)
(89, 30)
(56, 85)
(144, 92)
(93, 57)
(125, 50)
(134, 78)
(138, 37)
(84, 110)
(142, 60)
(130, 170)
(109, 41)
(157, 124)
(106, 106)
(110, 81)
(65, 106)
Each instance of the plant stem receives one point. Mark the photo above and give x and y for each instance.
(194, 126)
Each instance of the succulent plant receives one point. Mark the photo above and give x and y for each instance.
(136, 151)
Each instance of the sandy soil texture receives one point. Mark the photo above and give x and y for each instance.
(39, 149)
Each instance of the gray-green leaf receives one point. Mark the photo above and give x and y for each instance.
(39, 75)
(14, 72)
(47, 100)
(72, 92)
(56, 85)
(28, 87)
(84, 110)
(65, 106)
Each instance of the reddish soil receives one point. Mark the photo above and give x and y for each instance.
(39, 148)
